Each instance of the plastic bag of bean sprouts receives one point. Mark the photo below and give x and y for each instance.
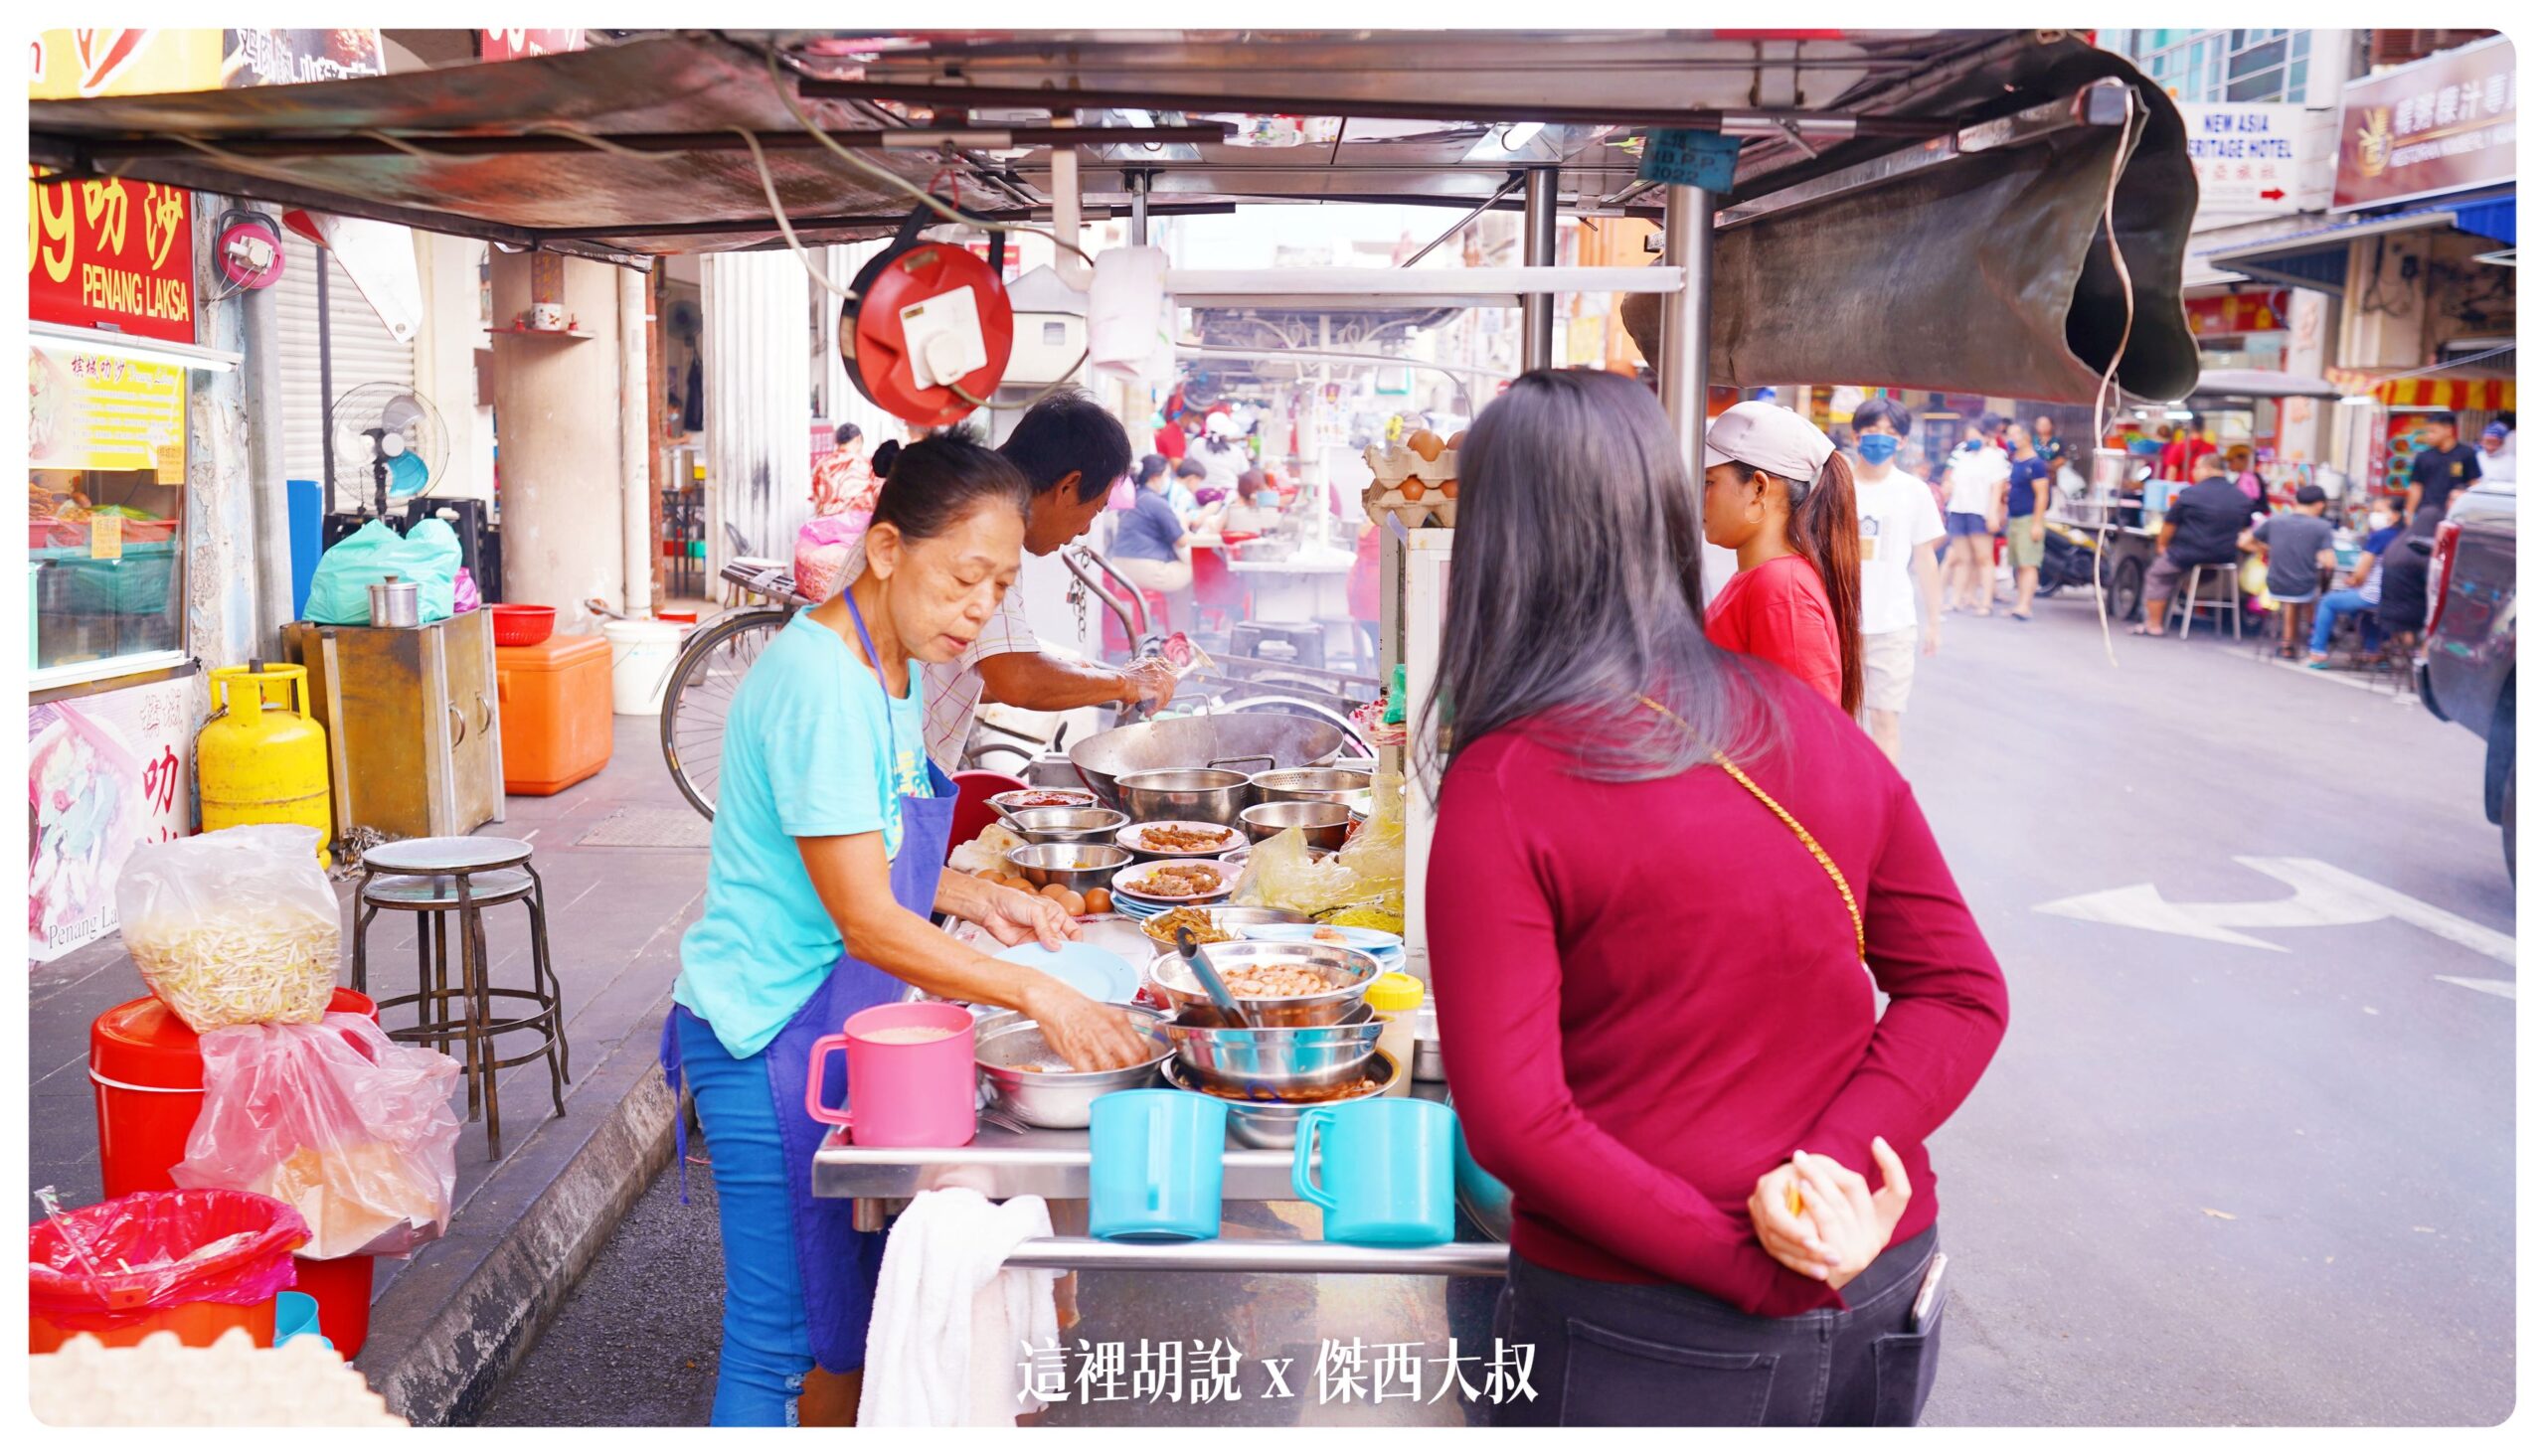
(233, 927)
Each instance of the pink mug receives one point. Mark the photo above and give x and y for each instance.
(906, 1093)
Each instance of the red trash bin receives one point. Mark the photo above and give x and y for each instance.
(148, 1074)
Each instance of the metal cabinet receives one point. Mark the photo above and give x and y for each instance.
(412, 721)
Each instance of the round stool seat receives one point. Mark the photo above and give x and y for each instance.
(442, 891)
(453, 854)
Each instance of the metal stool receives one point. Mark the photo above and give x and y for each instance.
(2188, 600)
(434, 880)
(1304, 641)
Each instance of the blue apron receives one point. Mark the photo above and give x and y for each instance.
(836, 1266)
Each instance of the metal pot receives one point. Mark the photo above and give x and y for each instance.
(1248, 741)
(1067, 826)
(1081, 866)
(1201, 795)
(395, 603)
(1277, 1124)
(1348, 972)
(1311, 785)
(1054, 1099)
(1271, 1063)
(1326, 826)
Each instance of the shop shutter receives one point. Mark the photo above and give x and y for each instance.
(362, 346)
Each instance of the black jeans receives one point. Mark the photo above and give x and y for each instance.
(1661, 1355)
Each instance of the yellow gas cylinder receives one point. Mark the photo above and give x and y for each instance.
(263, 761)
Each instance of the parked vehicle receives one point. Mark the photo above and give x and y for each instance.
(2467, 670)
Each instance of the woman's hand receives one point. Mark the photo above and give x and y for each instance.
(1852, 1223)
(1785, 1230)
(1089, 1034)
(1013, 917)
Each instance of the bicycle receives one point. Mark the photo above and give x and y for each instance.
(700, 686)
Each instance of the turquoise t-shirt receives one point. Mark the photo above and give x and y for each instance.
(805, 756)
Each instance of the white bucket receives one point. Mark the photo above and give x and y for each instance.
(640, 660)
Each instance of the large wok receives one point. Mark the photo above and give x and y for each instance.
(1248, 743)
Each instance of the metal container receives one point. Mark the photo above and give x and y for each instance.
(1197, 795)
(1236, 921)
(1009, 1044)
(1248, 740)
(1348, 972)
(1428, 1066)
(1277, 1124)
(1079, 867)
(1311, 785)
(395, 603)
(1017, 801)
(1325, 825)
(1067, 826)
(1129, 837)
(1270, 1064)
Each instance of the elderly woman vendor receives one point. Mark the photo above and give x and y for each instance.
(828, 855)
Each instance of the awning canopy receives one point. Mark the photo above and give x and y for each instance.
(2319, 258)
(2445, 390)
(2260, 384)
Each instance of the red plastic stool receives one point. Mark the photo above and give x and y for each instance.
(1155, 602)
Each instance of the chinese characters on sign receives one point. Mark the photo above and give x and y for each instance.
(2438, 125)
(63, 64)
(104, 775)
(88, 411)
(1347, 1373)
(111, 254)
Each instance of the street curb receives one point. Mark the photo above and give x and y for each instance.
(456, 1321)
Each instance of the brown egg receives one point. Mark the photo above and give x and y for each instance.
(1100, 902)
(1449, 487)
(1425, 443)
(1457, 439)
(1067, 899)
(1412, 490)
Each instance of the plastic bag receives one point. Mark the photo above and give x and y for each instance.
(2253, 576)
(156, 1251)
(233, 927)
(428, 555)
(354, 1131)
(824, 549)
(464, 596)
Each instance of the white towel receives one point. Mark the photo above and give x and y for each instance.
(952, 1326)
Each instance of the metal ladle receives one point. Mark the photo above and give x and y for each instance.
(1189, 946)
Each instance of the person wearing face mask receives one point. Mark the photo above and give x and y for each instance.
(1898, 528)
(2358, 593)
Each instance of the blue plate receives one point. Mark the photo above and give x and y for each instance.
(1376, 942)
(1091, 970)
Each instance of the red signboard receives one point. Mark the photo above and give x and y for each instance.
(111, 254)
(2438, 125)
(2238, 314)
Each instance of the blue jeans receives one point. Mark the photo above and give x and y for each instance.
(2329, 613)
(768, 1348)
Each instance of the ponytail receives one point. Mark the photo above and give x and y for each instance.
(1823, 527)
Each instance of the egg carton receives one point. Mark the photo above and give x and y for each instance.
(1395, 468)
(1393, 464)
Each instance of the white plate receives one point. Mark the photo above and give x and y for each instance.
(1130, 874)
(1129, 837)
(1379, 943)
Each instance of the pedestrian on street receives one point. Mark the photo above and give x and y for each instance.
(1658, 1267)
(2045, 438)
(2299, 544)
(1898, 528)
(826, 860)
(2201, 528)
(2358, 594)
(2028, 497)
(1782, 499)
(1976, 497)
(2499, 462)
(2440, 471)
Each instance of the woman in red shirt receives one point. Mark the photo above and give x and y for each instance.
(1660, 873)
(1781, 497)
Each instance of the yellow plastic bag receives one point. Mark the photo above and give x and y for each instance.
(1365, 882)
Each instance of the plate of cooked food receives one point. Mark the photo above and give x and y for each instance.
(1176, 881)
(1178, 839)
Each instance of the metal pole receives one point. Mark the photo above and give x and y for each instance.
(1687, 242)
(1537, 250)
(1460, 224)
(1139, 185)
(326, 387)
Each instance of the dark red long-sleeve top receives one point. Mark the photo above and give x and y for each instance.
(1649, 995)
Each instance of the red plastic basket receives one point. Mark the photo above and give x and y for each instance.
(523, 625)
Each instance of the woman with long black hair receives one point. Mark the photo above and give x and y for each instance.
(1782, 499)
(1659, 875)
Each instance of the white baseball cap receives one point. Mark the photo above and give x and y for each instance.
(1219, 424)
(1769, 437)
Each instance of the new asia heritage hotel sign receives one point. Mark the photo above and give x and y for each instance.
(2440, 126)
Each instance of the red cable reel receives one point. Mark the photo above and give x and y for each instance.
(927, 333)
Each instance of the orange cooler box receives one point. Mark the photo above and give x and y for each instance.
(556, 713)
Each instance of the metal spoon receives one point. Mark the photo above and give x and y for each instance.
(1189, 946)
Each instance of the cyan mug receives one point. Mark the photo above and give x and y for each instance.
(1154, 1165)
(1383, 1170)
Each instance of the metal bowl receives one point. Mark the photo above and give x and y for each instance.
(1273, 1062)
(1128, 879)
(1197, 795)
(1248, 740)
(1277, 1124)
(1348, 972)
(1233, 919)
(1010, 1043)
(1325, 825)
(1016, 801)
(1067, 826)
(1311, 785)
(1081, 866)
(1129, 837)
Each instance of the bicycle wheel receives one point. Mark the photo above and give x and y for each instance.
(704, 680)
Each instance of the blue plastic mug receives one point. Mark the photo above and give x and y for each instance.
(1384, 1169)
(1154, 1165)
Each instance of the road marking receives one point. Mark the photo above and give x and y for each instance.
(2324, 897)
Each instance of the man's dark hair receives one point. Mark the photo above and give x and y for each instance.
(2444, 416)
(1991, 423)
(2310, 495)
(1189, 468)
(846, 434)
(1883, 410)
(1068, 430)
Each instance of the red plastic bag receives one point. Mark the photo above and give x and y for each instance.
(354, 1131)
(157, 1251)
(822, 552)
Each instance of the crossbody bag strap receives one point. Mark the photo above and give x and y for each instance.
(1855, 913)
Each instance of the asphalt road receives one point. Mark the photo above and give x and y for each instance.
(2256, 1180)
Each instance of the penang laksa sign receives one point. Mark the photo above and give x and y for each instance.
(2438, 125)
(111, 254)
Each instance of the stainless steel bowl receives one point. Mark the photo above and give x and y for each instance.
(1347, 971)
(1273, 1062)
(1325, 825)
(1311, 785)
(1067, 826)
(1009, 1045)
(1200, 795)
(1234, 920)
(1012, 801)
(1277, 1124)
(1081, 866)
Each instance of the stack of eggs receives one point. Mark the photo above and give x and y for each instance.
(1418, 480)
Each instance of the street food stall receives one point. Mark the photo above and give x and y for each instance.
(1996, 212)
